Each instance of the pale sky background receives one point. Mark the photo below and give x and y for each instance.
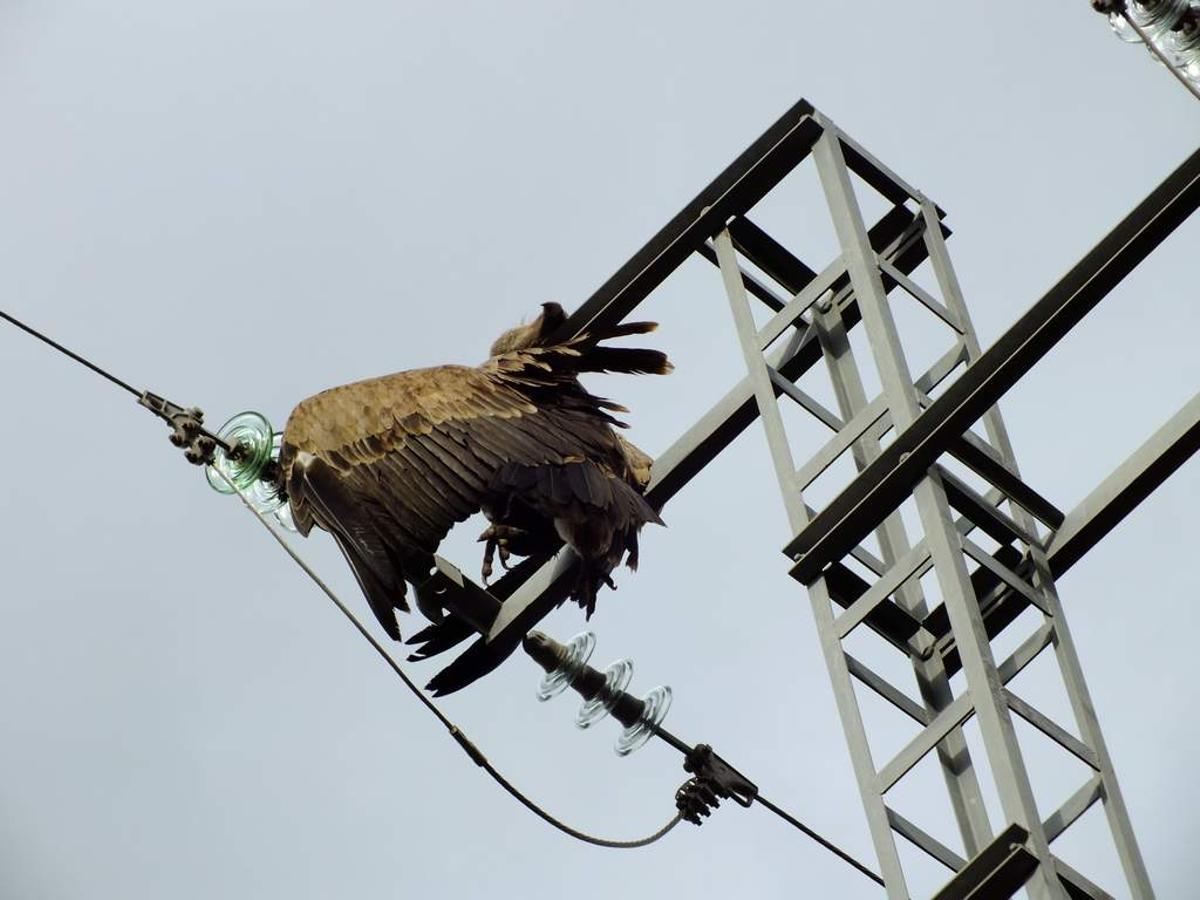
(239, 204)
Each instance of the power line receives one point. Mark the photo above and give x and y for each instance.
(75, 356)
(828, 845)
(187, 425)
(455, 732)
(459, 736)
(463, 741)
(476, 754)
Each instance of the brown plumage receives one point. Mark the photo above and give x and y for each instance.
(388, 465)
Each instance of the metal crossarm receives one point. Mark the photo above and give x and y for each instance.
(889, 481)
(537, 586)
(998, 871)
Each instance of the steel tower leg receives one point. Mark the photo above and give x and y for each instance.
(972, 581)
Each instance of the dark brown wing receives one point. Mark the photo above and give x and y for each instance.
(389, 465)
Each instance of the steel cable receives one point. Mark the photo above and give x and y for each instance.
(828, 845)
(75, 356)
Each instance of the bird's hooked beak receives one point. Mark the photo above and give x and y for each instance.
(551, 319)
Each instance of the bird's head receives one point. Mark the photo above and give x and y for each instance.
(532, 335)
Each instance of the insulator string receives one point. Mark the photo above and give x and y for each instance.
(709, 784)
(1158, 53)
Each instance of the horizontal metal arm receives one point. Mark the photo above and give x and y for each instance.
(884, 484)
(1131, 483)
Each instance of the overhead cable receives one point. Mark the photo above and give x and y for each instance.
(187, 425)
(187, 428)
(75, 356)
(189, 431)
(457, 733)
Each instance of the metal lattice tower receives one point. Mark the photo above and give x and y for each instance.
(983, 546)
(951, 512)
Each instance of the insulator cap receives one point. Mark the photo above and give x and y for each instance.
(603, 692)
(605, 700)
(655, 705)
(249, 433)
(253, 466)
(563, 662)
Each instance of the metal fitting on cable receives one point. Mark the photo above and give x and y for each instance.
(696, 800)
(715, 779)
(187, 429)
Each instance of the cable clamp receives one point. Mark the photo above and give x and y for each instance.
(187, 429)
(714, 780)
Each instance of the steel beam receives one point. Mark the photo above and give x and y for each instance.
(997, 872)
(1090, 521)
(897, 236)
(742, 184)
(1129, 484)
(888, 480)
(942, 537)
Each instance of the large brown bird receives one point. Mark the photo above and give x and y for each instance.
(388, 465)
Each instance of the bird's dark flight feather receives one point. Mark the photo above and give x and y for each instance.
(389, 465)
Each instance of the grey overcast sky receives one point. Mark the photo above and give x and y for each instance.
(239, 204)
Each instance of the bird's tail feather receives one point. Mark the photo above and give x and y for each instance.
(624, 329)
(631, 360)
(594, 356)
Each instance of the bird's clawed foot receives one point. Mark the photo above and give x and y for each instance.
(497, 537)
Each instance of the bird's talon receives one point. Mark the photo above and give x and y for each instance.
(489, 552)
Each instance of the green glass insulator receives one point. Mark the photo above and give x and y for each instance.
(251, 435)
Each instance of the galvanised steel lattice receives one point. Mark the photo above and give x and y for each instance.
(981, 540)
(951, 514)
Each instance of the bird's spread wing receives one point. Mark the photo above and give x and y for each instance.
(389, 465)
